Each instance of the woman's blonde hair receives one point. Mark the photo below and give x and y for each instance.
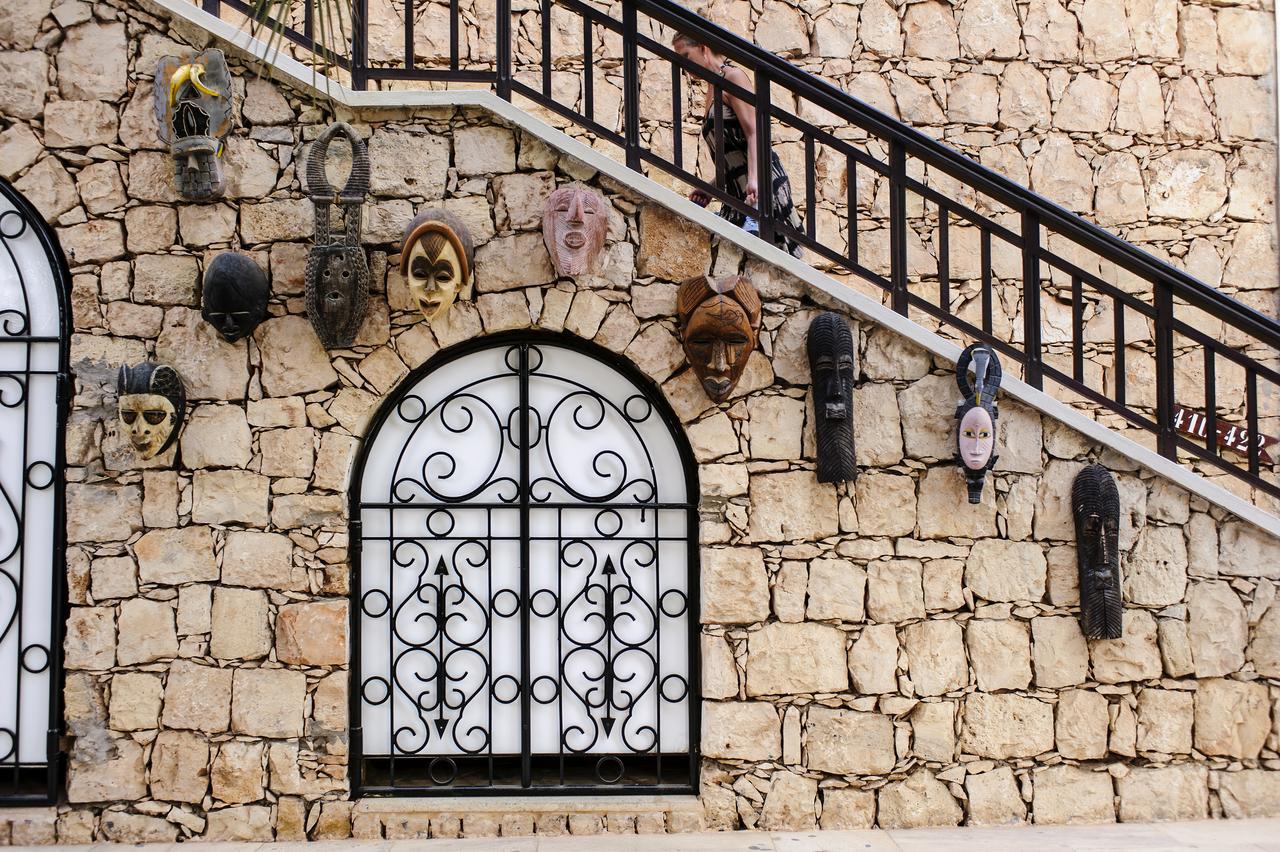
(683, 38)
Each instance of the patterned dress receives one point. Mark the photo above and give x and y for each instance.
(735, 172)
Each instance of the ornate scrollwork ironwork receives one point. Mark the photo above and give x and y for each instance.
(33, 335)
(526, 560)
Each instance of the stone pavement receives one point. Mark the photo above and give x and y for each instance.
(1236, 835)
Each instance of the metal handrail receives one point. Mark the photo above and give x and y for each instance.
(1170, 289)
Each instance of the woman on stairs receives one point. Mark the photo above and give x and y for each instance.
(738, 122)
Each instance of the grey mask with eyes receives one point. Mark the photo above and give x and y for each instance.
(194, 110)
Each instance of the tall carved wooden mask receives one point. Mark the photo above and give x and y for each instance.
(978, 413)
(831, 369)
(719, 326)
(337, 275)
(1095, 503)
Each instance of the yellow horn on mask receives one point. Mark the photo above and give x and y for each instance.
(193, 74)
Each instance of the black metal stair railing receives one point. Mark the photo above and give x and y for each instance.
(1079, 312)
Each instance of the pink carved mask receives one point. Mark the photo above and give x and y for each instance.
(977, 438)
(574, 222)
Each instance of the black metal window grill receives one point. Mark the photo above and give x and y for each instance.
(1074, 309)
(34, 330)
(525, 594)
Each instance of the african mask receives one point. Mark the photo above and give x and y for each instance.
(976, 434)
(337, 275)
(193, 107)
(574, 222)
(235, 295)
(152, 405)
(435, 258)
(1095, 502)
(831, 369)
(719, 322)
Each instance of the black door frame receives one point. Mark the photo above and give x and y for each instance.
(654, 396)
(19, 787)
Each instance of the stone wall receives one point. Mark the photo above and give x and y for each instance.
(944, 677)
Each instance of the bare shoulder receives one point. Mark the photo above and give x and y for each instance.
(736, 75)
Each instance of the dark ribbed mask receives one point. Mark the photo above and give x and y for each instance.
(831, 367)
(1095, 503)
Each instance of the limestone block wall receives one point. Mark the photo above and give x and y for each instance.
(879, 652)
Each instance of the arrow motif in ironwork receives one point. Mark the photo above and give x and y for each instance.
(609, 572)
(441, 679)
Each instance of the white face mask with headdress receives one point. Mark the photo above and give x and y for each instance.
(977, 415)
(977, 438)
(435, 260)
(151, 404)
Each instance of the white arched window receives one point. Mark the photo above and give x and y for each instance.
(34, 323)
(525, 590)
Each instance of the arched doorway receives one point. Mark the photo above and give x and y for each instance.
(35, 325)
(525, 595)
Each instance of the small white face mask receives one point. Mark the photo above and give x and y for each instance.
(435, 274)
(148, 419)
(977, 438)
(436, 255)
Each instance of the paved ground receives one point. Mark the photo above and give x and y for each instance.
(1232, 835)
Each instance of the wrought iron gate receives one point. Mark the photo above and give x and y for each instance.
(34, 328)
(525, 543)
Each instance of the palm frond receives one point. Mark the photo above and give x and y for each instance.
(329, 32)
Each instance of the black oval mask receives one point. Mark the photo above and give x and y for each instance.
(235, 295)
